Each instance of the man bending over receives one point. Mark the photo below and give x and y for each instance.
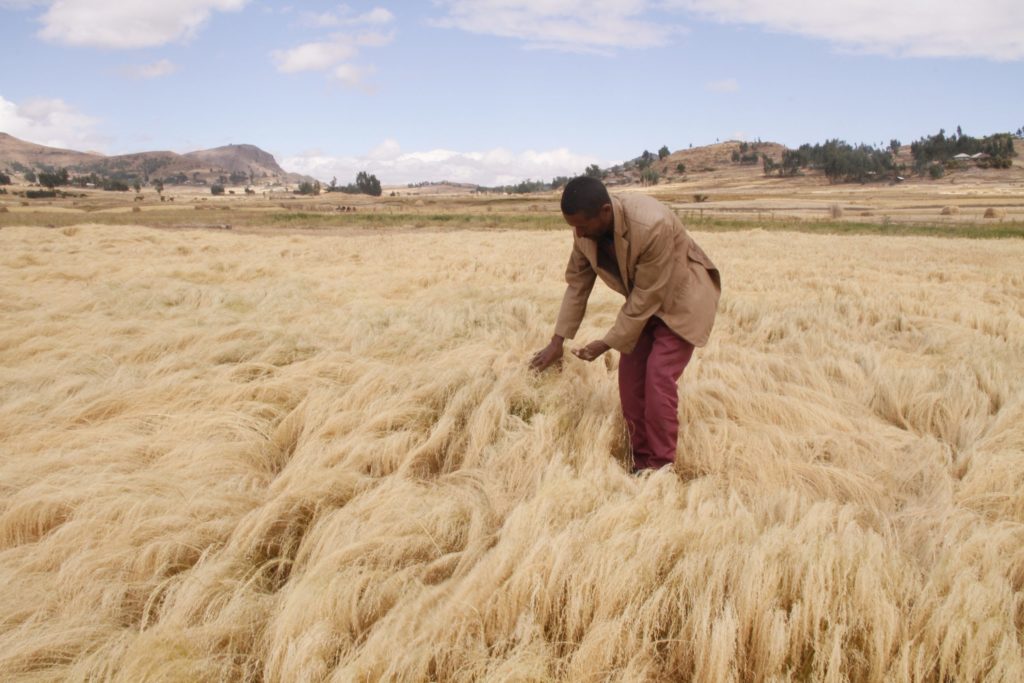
(639, 247)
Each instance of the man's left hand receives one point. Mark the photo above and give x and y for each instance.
(591, 351)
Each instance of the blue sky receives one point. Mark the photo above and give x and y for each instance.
(495, 91)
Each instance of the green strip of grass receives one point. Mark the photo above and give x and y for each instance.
(477, 220)
(993, 230)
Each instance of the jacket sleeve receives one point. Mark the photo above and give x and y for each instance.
(651, 280)
(580, 277)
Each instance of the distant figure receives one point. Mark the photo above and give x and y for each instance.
(639, 247)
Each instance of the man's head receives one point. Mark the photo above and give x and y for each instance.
(587, 207)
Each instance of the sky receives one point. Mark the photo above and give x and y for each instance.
(497, 91)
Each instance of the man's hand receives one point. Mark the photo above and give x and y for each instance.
(591, 351)
(548, 356)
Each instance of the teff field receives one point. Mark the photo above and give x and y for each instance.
(309, 449)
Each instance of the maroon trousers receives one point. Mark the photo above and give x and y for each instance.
(650, 398)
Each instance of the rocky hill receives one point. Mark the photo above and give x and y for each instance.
(695, 160)
(14, 151)
(249, 164)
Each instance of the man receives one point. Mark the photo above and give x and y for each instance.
(639, 247)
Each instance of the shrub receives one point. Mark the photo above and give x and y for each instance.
(5, 179)
(367, 184)
(936, 171)
(700, 198)
(41, 194)
(792, 162)
(216, 189)
(681, 167)
(309, 188)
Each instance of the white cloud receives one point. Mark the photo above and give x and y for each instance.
(353, 76)
(374, 39)
(497, 166)
(564, 25)
(333, 55)
(120, 24)
(387, 150)
(724, 86)
(50, 122)
(164, 67)
(313, 56)
(989, 29)
(376, 16)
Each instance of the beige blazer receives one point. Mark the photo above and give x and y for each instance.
(664, 273)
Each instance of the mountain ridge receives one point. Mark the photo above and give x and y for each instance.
(200, 166)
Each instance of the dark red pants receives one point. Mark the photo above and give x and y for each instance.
(650, 398)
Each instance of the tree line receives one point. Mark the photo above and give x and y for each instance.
(842, 162)
(51, 178)
(940, 149)
(839, 160)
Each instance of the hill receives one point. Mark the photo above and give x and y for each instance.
(15, 151)
(695, 159)
(199, 167)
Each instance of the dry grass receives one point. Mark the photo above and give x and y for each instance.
(302, 458)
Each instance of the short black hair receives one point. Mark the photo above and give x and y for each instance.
(585, 194)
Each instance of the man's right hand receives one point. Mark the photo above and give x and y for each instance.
(548, 356)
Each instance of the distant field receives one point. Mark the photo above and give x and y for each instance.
(974, 203)
(303, 457)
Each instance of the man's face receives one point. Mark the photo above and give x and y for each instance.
(592, 227)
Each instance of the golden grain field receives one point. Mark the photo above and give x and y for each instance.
(316, 458)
